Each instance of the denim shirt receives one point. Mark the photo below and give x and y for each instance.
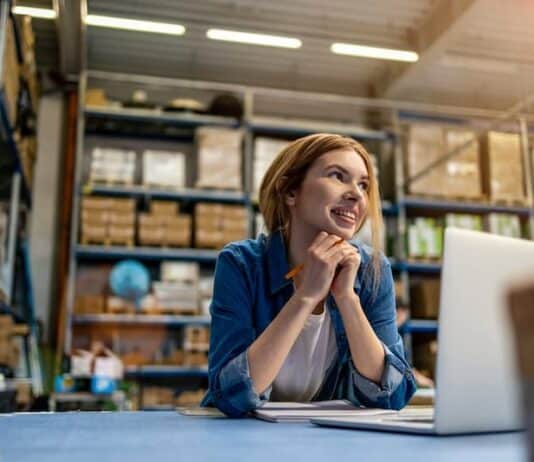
(250, 290)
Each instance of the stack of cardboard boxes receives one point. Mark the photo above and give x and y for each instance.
(265, 150)
(9, 348)
(196, 346)
(29, 65)
(491, 169)
(164, 226)
(27, 147)
(504, 224)
(112, 166)
(11, 73)
(178, 290)
(163, 169)
(458, 177)
(218, 224)
(219, 158)
(107, 221)
(502, 167)
(425, 238)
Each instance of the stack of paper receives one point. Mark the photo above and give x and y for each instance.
(301, 412)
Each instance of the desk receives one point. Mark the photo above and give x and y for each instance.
(169, 436)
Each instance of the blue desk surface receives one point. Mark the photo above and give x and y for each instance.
(169, 436)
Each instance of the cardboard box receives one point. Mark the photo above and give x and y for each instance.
(122, 219)
(502, 167)
(208, 239)
(163, 168)
(151, 235)
(107, 364)
(424, 357)
(96, 97)
(112, 165)
(96, 203)
(464, 221)
(265, 150)
(463, 177)
(425, 238)
(10, 73)
(426, 144)
(187, 272)
(165, 208)
(123, 205)
(219, 154)
(121, 234)
(94, 233)
(504, 224)
(424, 298)
(89, 304)
(179, 238)
(179, 222)
(148, 220)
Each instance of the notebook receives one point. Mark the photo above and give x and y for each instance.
(303, 412)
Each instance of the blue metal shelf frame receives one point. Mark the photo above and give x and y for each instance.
(94, 252)
(160, 372)
(6, 132)
(453, 206)
(154, 115)
(422, 326)
(141, 319)
(288, 130)
(191, 195)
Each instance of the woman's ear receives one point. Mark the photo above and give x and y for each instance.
(290, 198)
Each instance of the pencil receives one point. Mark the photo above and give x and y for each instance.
(297, 269)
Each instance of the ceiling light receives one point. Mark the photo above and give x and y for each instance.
(134, 24)
(34, 12)
(254, 39)
(373, 52)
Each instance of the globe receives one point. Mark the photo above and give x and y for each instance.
(130, 280)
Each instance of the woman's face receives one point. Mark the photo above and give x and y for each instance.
(333, 196)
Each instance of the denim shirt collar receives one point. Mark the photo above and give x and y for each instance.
(277, 265)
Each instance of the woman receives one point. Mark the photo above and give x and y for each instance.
(329, 332)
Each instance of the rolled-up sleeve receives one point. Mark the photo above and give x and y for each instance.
(232, 332)
(397, 384)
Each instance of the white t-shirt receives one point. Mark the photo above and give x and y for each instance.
(304, 369)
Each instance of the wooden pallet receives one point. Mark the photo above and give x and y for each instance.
(510, 202)
(170, 311)
(109, 183)
(121, 310)
(107, 242)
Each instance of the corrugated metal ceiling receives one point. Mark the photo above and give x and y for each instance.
(484, 63)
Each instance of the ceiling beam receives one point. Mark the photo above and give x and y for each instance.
(448, 19)
(71, 36)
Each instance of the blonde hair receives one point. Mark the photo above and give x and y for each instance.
(287, 171)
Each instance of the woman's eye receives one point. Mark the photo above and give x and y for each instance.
(364, 186)
(336, 175)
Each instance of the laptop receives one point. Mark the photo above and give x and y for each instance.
(477, 384)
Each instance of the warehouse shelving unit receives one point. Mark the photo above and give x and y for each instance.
(253, 125)
(97, 252)
(141, 319)
(15, 270)
(412, 204)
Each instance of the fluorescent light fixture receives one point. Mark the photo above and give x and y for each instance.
(254, 39)
(134, 24)
(44, 13)
(373, 52)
